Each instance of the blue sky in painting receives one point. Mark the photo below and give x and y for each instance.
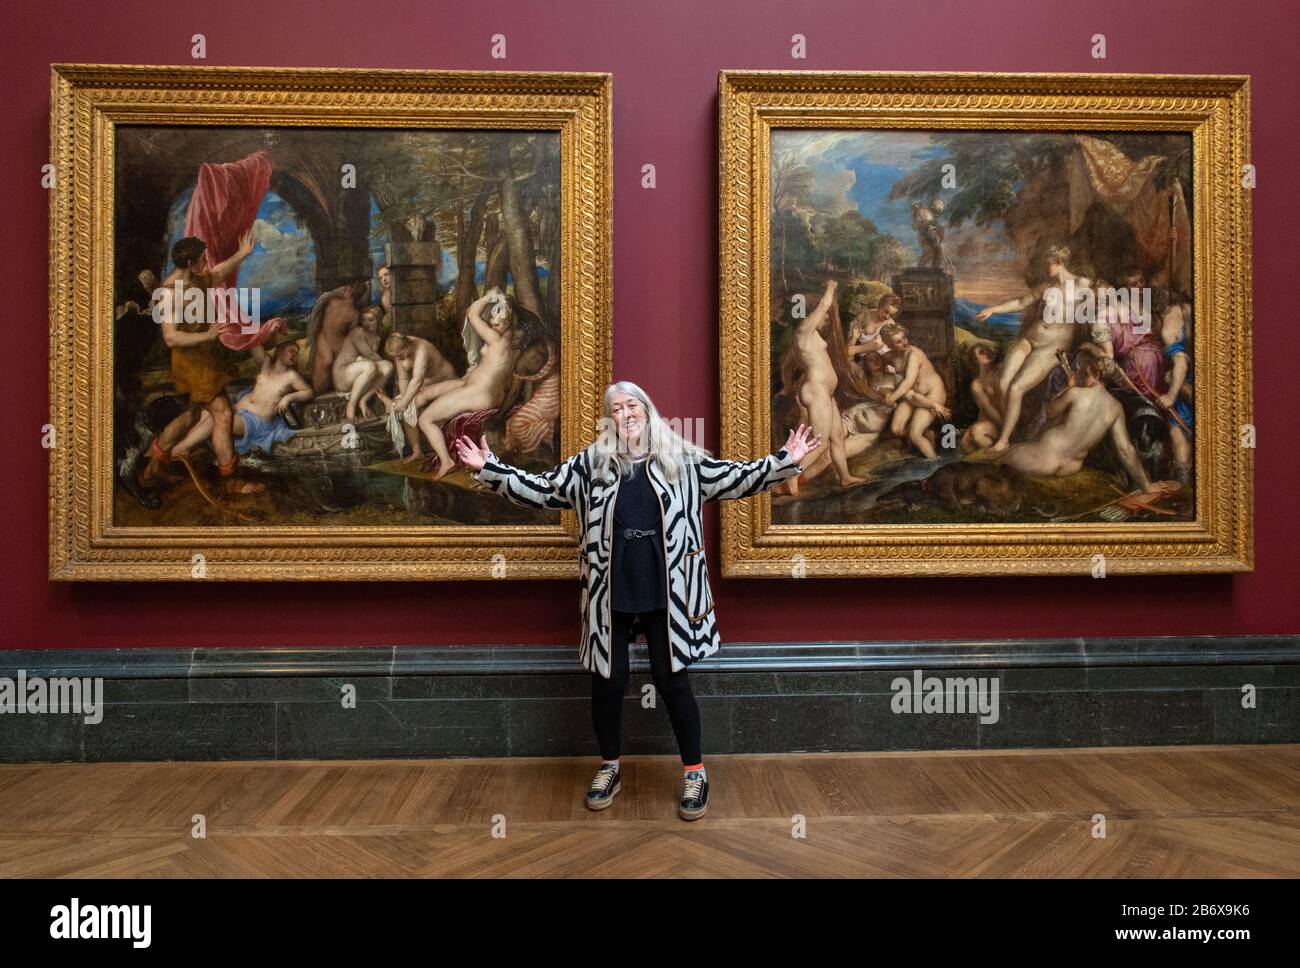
(283, 261)
(856, 169)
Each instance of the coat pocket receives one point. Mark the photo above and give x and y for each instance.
(697, 578)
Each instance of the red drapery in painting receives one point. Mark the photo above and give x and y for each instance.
(224, 207)
(1100, 171)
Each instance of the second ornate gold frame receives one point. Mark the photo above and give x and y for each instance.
(1214, 110)
(89, 101)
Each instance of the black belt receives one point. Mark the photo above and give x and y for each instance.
(637, 533)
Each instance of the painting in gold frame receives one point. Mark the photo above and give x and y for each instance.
(400, 257)
(875, 231)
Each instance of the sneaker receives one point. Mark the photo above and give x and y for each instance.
(604, 787)
(695, 796)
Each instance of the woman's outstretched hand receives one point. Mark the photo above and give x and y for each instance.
(471, 455)
(802, 442)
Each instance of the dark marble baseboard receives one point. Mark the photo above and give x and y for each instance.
(438, 701)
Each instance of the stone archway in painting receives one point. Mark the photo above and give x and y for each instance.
(156, 165)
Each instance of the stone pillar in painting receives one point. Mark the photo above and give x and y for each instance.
(340, 260)
(926, 297)
(344, 254)
(414, 268)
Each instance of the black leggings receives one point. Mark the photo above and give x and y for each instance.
(673, 687)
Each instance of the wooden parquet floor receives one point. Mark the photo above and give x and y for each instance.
(1169, 812)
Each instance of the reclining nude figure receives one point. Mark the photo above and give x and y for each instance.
(1077, 419)
(258, 419)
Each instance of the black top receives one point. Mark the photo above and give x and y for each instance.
(637, 562)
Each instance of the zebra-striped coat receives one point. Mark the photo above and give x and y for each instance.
(692, 631)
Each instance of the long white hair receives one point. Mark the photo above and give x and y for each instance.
(667, 448)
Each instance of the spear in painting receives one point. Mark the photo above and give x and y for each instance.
(1173, 238)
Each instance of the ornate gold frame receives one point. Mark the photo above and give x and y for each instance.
(1213, 109)
(88, 101)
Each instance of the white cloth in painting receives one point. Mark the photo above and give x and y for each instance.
(411, 416)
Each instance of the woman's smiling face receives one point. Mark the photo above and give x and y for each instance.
(629, 416)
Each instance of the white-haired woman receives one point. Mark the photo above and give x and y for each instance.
(638, 491)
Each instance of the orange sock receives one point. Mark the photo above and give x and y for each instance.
(697, 766)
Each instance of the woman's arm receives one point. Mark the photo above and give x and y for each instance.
(557, 488)
(815, 318)
(920, 400)
(302, 393)
(419, 366)
(1177, 378)
(1010, 306)
(724, 479)
(721, 480)
(911, 372)
(872, 345)
(1171, 332)
(475, 317)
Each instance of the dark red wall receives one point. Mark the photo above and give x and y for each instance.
(665, 56)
